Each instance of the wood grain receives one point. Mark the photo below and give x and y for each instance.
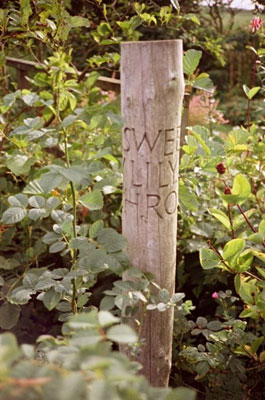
(152, 88)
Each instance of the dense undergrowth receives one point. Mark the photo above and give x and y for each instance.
(62, 252)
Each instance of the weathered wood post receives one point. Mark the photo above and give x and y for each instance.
(152, 88)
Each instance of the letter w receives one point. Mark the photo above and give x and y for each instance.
(145, 139)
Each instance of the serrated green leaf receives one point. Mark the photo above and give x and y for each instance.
(203, 83)
(96, 261)
(9, 315)
(20, 164)
(51, 237)
(78, 22)
(95, 228)
(52, 203)
(197, 132)
(121, 334)
(37, 202)
(57, 247)
(111, 240)
(191, 61)
(187, 198)
(20, 295)
(51, 298)
(84, 321)
(19, 200)
(38, 213)
(13, 215)
(105, 318)
(92, 200)
(107, 303)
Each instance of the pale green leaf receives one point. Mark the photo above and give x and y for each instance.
(122, 334)
(13, 215)
(92, 200)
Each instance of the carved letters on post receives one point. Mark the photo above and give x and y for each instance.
(143, 174)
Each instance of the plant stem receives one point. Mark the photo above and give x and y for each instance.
(228, 266)
(230, 220)
(74, 253)
(246, 219)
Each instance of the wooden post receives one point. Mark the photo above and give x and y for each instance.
(152, 88)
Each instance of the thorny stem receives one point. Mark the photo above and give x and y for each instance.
(248, 222)
(246, 219)
(225, 263)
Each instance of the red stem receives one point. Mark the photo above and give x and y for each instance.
(230, 220)
(248, 222)
(246, 219)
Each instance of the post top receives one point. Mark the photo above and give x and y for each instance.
(152, 42)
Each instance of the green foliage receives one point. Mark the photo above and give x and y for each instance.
(80, 364)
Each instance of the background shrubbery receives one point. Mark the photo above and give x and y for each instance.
(62, 252)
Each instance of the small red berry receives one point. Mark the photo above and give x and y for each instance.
(220, 168)
(227, 190)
